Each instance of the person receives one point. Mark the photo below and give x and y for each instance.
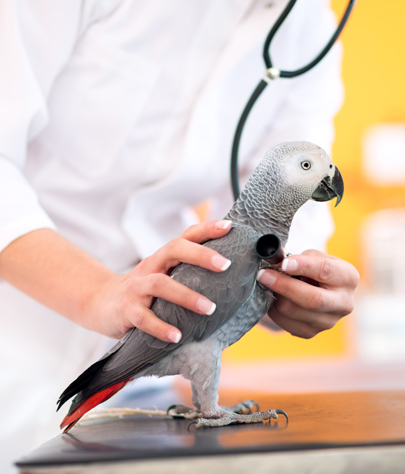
(117, 119)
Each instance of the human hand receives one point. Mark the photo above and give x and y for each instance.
(316, 302)
(125, 300)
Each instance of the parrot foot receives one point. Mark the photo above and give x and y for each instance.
(228, 417)
(245, 407)
(181, 411)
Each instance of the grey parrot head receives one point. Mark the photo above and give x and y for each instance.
(289, 175)
(292, 173)
(309, 172)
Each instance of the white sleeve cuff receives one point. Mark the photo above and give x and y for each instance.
(18, 227)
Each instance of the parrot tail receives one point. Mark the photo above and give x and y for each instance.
(71, 419)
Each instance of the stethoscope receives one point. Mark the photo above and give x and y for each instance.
(273, 73)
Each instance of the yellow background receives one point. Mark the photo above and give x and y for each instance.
(374, 73)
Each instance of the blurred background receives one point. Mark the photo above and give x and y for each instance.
(370, 223)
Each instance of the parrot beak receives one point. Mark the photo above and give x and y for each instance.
(330, 188)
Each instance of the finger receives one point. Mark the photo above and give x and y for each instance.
(332, 272)
(147, 321)
(296, 328)
(318, 321)
(181, 250)
(162, 286)
(311, 298)
(206, 231)
(317, 253)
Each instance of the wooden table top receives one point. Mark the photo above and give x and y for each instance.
(317, 420)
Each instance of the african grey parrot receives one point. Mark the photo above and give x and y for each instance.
(289, 175)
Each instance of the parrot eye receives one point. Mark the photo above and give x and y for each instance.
(306, 165)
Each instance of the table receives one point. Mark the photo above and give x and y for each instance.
(354, 432)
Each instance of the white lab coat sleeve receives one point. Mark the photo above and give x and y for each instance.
(306, 112)
(20, 211)
(36, 39)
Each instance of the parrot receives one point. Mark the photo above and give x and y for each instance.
(290, 174)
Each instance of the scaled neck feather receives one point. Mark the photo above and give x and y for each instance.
(264, 220)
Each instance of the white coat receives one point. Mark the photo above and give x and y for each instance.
(116, 118)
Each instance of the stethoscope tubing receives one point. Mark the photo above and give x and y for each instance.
(273, 73)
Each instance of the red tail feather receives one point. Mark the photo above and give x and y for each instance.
(70, 420)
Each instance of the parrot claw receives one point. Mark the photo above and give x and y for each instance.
(282, 412)
(171, 407)
(181, 411)
(194, 422)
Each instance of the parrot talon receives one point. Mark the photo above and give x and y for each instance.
(247, 407)
(255, 404)
(194, 422)
(181, 411)
(171, 407)
(282, 412)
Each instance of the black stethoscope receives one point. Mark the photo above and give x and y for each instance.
(274, 73)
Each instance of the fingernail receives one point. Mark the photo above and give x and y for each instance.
(174, 336)
(289, 265)
(205, 306)
(266, 277)
(220, 262)
(223, 224)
